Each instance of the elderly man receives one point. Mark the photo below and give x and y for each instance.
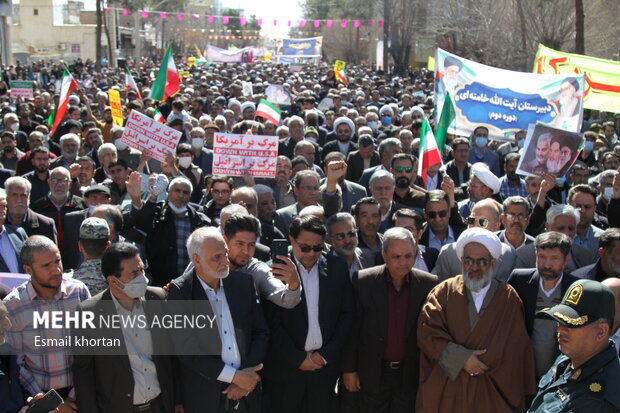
(306, 189)
(248, 197)
(387, 149)
(296, 130)
(167, 225)
(515, 218)
(608, 260)
(342, 236)
(475, 352)
(382, 185)
(482, 184)
(485, 214)
(59, 202)
(543, 287)
(584, 378)
(303, 360)
(381, 357)
(69, 149)
(564, 219)
(19, 212)
(306, 149)
(11, 240)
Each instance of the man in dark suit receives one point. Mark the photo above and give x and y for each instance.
(345, 129)
(365, 157)
(544, 287)
(248, 197)
(11, 240)
(306, 192)
(4, 175)
(226, 380)
(387, 149)
(384, 369)
(458, 169)
(137, 377)
(606, 266)
(342, 236)
(303, 361)
(349, 193)
(444, 224)
(19, 213)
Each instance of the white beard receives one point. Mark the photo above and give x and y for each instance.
(476, 285)
(567, 106)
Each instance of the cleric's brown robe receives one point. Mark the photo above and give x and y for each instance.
(500, 329)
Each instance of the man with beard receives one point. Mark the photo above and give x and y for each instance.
(543, 287)
(10, 153)
(515, 218)
(368, 218)
(266, 205)
(512, 184)
(226, 380)
(279, 284)
(69, 148)
(342, 236)
(539, 164)
(475, 352)
(482, 184)
(38, 178)
(283, 190)
(382, 185)
(404, 169)
(345, 129)
(167, 225)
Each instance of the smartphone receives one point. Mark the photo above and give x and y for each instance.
(50, 401)
(278, 247)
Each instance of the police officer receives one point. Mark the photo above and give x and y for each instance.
(586, 376)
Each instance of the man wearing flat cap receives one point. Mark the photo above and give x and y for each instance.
(475, 352)
(586, 377)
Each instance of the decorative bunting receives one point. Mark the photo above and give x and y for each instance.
(330, 23)
(259, 22)
(343, 24)
(180, 16)
(225, 19)
(145, 14)
(302, 23)
(163, 15)
(242, 21)
(357, 23)
(275, 22)
(369, 22)
(317, 23)
(125, 12)
(380, 23)
(211, 19)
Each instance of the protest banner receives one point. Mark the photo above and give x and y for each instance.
(602, 89)
(278, 94)
(22, 89)
(247, 89)
(236, 154)
(149, 136)
(548, 150)
(308, 47)
(115, 104)
(505, 101)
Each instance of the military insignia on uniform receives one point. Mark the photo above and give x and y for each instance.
(595, 387)
(574, 294)
(576, 374)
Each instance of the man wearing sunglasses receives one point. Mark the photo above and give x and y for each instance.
(404, 169)
(342, 236)
(303, 359)
(472, 337)
(485, 214)
(440, 229)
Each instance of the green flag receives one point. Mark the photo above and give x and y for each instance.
(445, 120)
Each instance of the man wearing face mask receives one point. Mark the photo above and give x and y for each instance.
(11, 124)
(605, 190)
(140, 379)
(10, 153)
(167, 225)
(510, 147)
(185, 158)
(203, 157)
(480, 151)
(69, 148)
(94, 196)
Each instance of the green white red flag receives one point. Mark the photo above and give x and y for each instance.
(158, 117)
(130, 84)
(67, 86)
(167, 83)
(268, 111)
(429, 153)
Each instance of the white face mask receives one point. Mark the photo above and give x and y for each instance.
(185, 161)
(121, 146)
(197, 143)
(14, 127)
(136, 288)
(175, 209)
(608, 192)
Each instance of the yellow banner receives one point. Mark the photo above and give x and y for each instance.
(431, 64)
(115, 104)
(339, 66)
(602, 87)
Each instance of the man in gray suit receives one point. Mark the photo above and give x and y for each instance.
(583, 198)
(306, 193)
(11, 240)
(564, 219)
(485, 214)
(342, 236)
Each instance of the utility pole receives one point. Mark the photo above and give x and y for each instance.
(98, 36)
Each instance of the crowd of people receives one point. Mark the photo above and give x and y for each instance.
(477, 290)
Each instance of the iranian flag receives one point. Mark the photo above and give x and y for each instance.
(429, 153)
(445, 120)
(268, 111)
(158, 117)
(130, 84)
(67, 86)
(167, 82)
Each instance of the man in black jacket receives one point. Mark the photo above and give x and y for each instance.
(167, 225)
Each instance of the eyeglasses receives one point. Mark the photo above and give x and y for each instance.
(435, 214)
(483, 222)
(341, 235)
(480, 262)
(511, 217)
(309, 188)
(222, 192)
(403, 168)
(57, 181)
(308, 248)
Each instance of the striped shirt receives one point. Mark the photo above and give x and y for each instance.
(42, 367)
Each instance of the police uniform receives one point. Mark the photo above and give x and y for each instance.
(89, 272)
(593, 387)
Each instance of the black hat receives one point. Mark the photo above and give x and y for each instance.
(97, 189)
(585, 302)
(452, 61)
(573, 82)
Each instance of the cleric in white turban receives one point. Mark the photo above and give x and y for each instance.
(481, 171)
(344, 120)
(385, 110)
(482, 236)
(248, 114)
